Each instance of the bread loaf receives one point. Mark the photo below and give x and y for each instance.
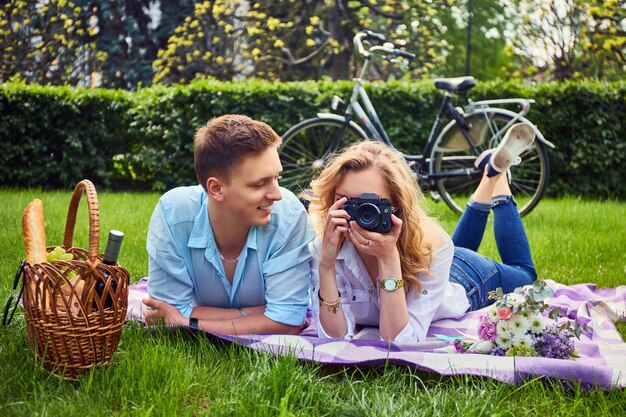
(34, 233)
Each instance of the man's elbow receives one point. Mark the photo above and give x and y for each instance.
(276, 327)
(290, 330)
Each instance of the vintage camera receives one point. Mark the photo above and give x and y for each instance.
(370, 212)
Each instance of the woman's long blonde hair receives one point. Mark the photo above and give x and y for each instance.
(419, 231)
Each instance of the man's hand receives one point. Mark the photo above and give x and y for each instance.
(157, 312)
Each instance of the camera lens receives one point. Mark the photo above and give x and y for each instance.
(367, 216)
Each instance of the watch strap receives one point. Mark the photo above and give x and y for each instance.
(398, 281)
(193, 322)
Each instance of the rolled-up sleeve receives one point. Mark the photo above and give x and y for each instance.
(315, 307)
(287, 270)
(423, 305)
(169, 276)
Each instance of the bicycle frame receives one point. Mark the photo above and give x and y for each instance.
(456, 138)
(367, 116)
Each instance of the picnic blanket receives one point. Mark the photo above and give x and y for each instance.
(602, 362)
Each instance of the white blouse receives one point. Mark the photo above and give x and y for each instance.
(360, 299)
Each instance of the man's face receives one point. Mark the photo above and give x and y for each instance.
(253, 188)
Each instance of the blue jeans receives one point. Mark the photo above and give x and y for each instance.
(479, 274)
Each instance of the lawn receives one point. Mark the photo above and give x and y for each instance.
(573, 241)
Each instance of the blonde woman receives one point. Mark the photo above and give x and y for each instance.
(400, 281)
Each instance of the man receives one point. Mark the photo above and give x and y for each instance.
(231, 255)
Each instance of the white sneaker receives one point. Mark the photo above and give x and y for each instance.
(517, 139)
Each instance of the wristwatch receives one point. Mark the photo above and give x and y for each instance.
(391, 284)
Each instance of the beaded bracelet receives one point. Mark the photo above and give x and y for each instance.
(331, 306)
(592, 304)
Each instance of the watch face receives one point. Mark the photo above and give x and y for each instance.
(390, 284)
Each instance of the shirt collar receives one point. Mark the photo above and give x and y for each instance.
(347, 251)
(201, 232)
(201, 235)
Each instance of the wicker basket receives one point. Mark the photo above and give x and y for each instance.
(72, 327)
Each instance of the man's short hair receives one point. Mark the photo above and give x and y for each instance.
(227, 139)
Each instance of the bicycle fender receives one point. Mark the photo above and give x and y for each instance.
(342, 119)
(538, 134)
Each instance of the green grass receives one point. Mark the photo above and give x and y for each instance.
(177, 374)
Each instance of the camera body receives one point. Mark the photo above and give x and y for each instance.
(370, 212)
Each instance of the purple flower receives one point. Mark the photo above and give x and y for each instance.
(462, 347)
(487, 329)
(498, 352)
(458, 346)
(554, 343)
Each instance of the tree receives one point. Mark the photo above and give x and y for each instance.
(293, 39)
(566, 39)
(46, 42)
(488, 55)
(607, 38)
(549, 36)
(123, 33)
(131, 32)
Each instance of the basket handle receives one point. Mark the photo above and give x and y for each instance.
(94, 219)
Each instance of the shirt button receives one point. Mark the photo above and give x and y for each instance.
(425, 292)
(371, 291)
(353, 298)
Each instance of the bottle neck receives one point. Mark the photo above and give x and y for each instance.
(112, 250)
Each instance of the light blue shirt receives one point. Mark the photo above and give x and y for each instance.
(185, 268)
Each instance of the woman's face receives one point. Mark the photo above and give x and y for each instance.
(355, 183)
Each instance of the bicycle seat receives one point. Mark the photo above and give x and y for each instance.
(455, 84)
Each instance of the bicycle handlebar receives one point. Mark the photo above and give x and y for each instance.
(405, 54)
(374, 35)
(387, 47)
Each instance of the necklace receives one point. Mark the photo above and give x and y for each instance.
(229, 261)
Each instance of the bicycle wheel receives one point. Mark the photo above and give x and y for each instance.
(307, 145)
(486, 129)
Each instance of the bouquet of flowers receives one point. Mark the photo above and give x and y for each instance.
(514, 326)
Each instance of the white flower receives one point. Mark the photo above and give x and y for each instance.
(503, 341)
(483, 346)
(524, 340)
(537, 324)
(519, 324)
(503, 328)
(517, 332)
(493, 315)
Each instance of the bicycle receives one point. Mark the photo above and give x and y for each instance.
(446, 166)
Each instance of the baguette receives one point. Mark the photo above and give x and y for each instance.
(34, 233)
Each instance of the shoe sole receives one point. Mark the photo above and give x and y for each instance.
(516, 140)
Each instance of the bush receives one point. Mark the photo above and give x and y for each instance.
(144, 140)
(55, 136)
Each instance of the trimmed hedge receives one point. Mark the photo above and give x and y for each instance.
(55, 136)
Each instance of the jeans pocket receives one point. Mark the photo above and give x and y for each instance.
(476, 265)
(476, 273)
(459, 276)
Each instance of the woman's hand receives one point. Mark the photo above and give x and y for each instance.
(380, 245)
(335, 232)
(157, 311)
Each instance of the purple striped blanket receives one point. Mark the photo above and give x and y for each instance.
(602, 362)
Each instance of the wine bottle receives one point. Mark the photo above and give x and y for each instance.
(111, 254)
